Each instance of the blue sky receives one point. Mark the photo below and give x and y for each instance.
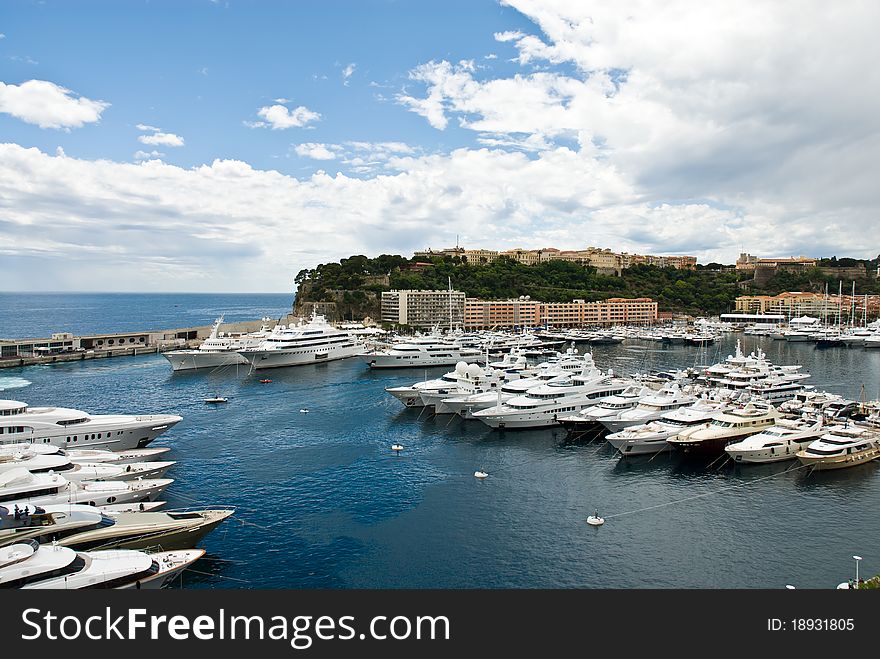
(224, 146)
(200, 69)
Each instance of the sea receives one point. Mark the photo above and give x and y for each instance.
(322, 501)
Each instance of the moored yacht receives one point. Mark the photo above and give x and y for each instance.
(589, 418)
(21, 488)
(422, 351)
(216, 351)
(72, 428)
(29, 565)
(307, 343)
(842, 446)
(649, 408)
(779, 442)
(726, 427)
(652, 437)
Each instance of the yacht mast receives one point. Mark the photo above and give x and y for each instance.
(839, 300)
(852, 311)
(449, 279)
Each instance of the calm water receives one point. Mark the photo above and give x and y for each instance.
(38, 315)
(323, 502)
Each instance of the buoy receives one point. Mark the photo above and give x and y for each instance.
(396, 447)
(480, 474)
(266, 381)
(304, 411)
(595, 520)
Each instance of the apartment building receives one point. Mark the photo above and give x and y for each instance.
(423, 309)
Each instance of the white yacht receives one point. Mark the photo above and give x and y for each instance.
(842, 446)
(728, 426)
(72, 428)
(543, 405)
(472, 380)
(652, 437)
(649, 408)
(29, 565)
(422, 351)
(778, 442)
(589, 418)
(217, 350)
(21, 488)
(43, 458)
(307, 343)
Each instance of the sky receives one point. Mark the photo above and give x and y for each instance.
(223, 146)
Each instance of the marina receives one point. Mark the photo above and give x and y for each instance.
(321, 501)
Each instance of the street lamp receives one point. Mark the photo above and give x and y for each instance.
(857, 558)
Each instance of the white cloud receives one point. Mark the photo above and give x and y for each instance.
(161, 139)
(282, 100)
(278, 117)
(347, 73)
(315, 151)
(510, 35)
(147, 155)
(49, 105)
(146, 127)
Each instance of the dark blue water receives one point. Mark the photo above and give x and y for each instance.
(323, 502)
(38, 315)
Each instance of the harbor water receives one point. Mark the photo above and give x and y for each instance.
(323, 502)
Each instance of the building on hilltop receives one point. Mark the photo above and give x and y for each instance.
(525, 312)
(749, 262)
(423, 309)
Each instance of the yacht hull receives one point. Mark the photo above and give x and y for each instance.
(190, 360)
(827, 463)
(261, 359)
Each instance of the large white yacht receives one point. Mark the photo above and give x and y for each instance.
(589, 418)
(29, 565)
(543, 405)
(307, 343)
(43, 458)
(422, 351)
(842, 446)
(652, 437)
(729, 426)
(217, 350)
(649, 408)
(72, 428)
(20, 488)
(779, 442)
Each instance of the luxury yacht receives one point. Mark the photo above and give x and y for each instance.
(36, 459)
(779, 442)
(728, 426)
(217, 350)
(29, 565)
(652, 437)
(422, 351)
(84, 527)
(19, 487)
(543, 405)
(472, 380)
(306, 343)
(590, 417)
(842, 446)
(649, 408)
(71, 428)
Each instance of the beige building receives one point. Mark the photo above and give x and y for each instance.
(749, 262)
(423, 308)
(794, 303)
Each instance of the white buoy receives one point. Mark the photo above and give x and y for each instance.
(304, 411)
(595, 520)
(396, 447)
(480, 474)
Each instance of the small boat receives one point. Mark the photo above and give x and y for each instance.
(397, 447)
(480, 474)
(304, 411)
(595, 520)
(265, 381)
(217, 399)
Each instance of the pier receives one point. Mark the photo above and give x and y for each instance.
(65, 347)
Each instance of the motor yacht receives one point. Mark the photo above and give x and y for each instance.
(72, 428)
(651, 437)
(420, 352)
(779, 442)
(296, 345)
(85, 527)
(543, 405)
(844, 445)
(217, 351)
(29, 565)
(589, 418)
(37, 458)
(19, 487)
(650, 408)
(726, 427)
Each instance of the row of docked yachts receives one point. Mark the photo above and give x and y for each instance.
(745, 407)
(79, 502)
